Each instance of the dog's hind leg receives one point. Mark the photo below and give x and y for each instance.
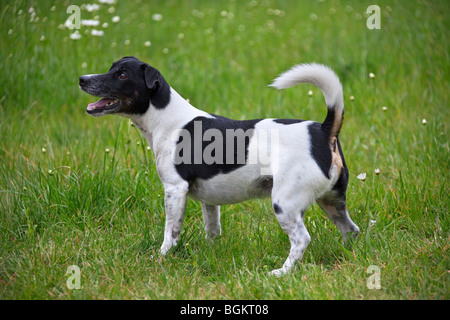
(336, 210)
(290, 217)
(211, 217)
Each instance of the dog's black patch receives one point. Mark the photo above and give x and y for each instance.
(154, 88)
(320, 150)
(341, 185)
(159, 88)
(287, 121)
(328, 123)
(196, 165)
(277, 208)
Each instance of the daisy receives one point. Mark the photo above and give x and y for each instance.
(361, 176)
(157, 17)
(90, 22)
(75, 36)
(97, 33)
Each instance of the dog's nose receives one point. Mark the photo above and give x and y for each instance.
(83, 80)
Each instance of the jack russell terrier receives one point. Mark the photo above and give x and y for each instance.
(219, 161)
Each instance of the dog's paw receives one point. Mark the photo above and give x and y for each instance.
(167, 245)
(164, 249)
(278, 272)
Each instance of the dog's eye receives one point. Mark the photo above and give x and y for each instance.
(122, 76)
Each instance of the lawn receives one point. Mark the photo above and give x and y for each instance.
(82, 191)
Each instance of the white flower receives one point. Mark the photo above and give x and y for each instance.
(107, 150)
(377, 171)
(371, 75)
(157, 17)
(278, 12)
(75, 36)
(361, 176)
(372, 223)
(92, 7)
(44, 150)
(197, 13)
(424, 121)
(165, 50)
(116, 19)
(147, 43)
(310, 93)
(127, 42)
(352, 98)
(90, 22)
(97, 33)
(384, 108)
(105, 25)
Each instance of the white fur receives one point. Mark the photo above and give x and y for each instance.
(317, 74)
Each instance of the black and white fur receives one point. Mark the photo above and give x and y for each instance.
(308, 164)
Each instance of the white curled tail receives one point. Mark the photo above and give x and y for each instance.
(323, 77)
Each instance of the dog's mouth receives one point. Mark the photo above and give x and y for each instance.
(103, 105)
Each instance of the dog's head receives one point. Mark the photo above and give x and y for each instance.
(129, 87)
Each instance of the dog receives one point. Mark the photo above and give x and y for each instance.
(221, 161)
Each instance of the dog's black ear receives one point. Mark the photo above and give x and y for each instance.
(159, 89)
(152, 78)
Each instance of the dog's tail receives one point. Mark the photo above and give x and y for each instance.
(324, 78)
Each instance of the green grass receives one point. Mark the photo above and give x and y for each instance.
(76, 204)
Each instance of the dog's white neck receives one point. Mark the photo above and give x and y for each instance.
(158, 125)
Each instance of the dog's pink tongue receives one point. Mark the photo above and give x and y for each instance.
(99, 104)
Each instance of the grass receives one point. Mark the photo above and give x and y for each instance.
(67, 200)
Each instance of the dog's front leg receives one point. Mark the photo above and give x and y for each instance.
(175, 206)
